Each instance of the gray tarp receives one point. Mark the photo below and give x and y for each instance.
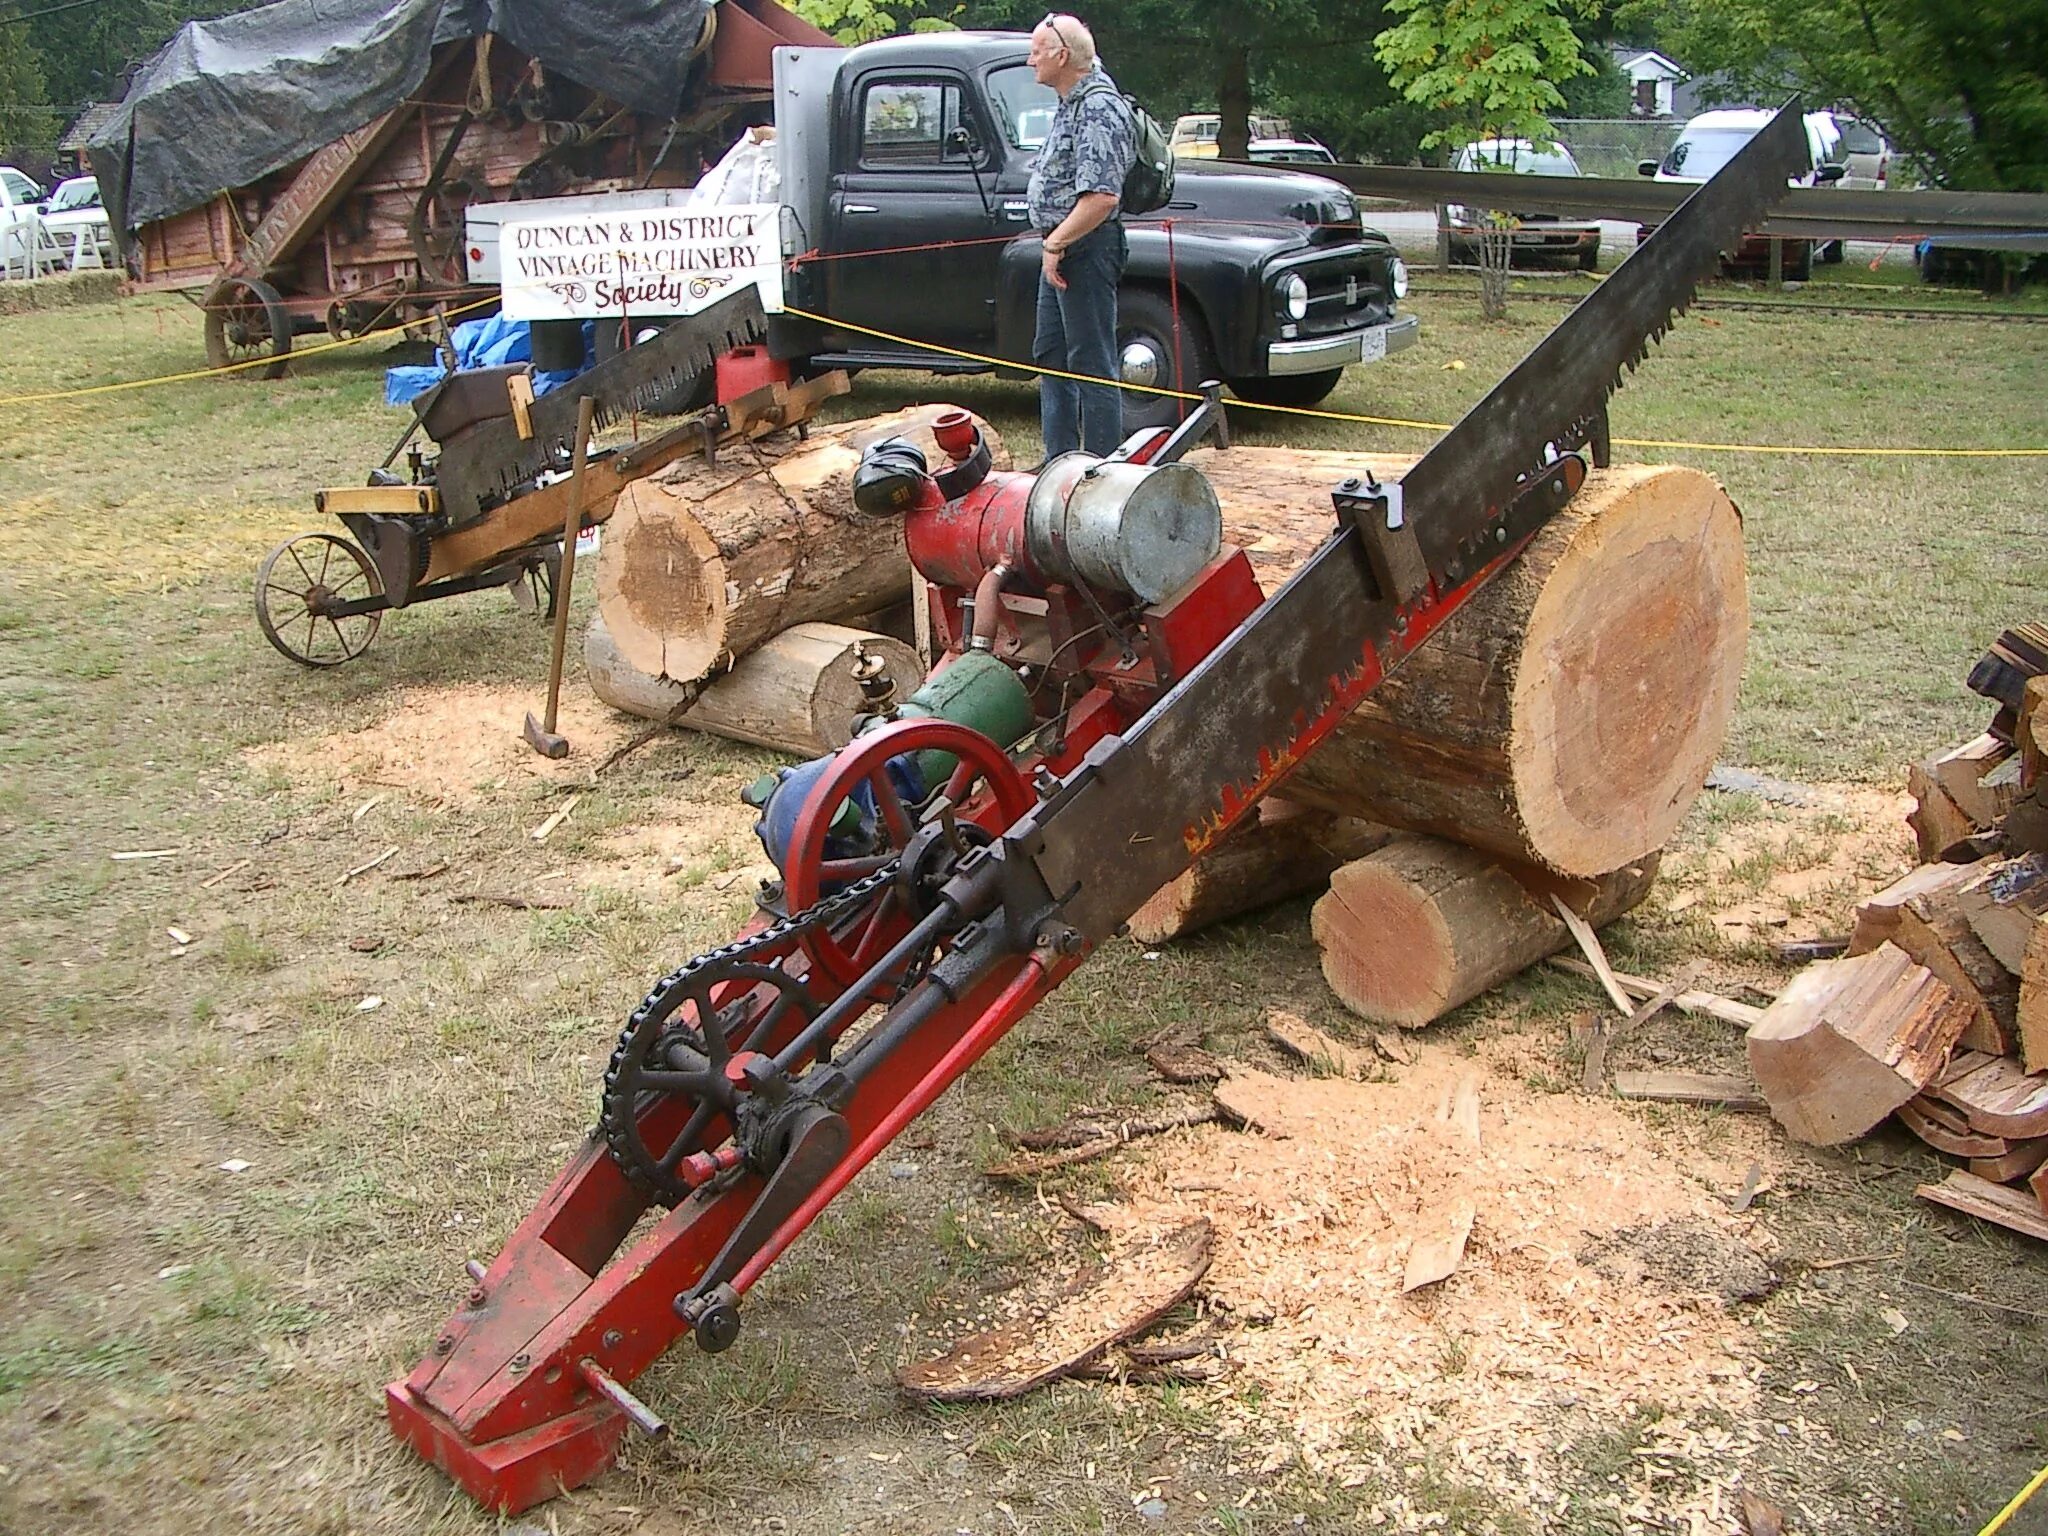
(229, 101)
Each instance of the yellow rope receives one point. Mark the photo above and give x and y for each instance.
(1418, 426)
(1998, 1520)
(209, 373)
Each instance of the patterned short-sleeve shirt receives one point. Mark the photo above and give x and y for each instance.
(1088, 148)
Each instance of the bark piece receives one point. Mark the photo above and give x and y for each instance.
(2004, 902)
(1140, 1285)
(1098, 1144)
(1851, 1040)
(2039, 1185)
(705, 561)
(1412, 931)
(1184, 1063)
(794, 693)
(1943, 1129)
(1713, 1090)
(1977, 1197)
(1568, 714)
(1301, 1039)
(2018, 1160)
(1995, 1096)
(1285, 851)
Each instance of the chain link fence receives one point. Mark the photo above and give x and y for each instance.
(1612, 146)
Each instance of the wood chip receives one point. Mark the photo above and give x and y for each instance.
(1141, 1283)
(147, 853)
(368, 806)
(212, 880)
(1596, 957)
(1760, 1517)
(1735, 1093)
(546, 829)
(423, 874)
(516, 902)
(363, 869)
(1184, 1064)
(2008, 1207)
(1692, 1000)
(1393, 1047)
(1436, 1251)
(1460, 1112)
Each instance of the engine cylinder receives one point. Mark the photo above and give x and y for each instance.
(1146, 529)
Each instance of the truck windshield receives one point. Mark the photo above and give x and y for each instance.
(1025, 106)
(1704, 151)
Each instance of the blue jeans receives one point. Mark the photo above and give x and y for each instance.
(1077, 333)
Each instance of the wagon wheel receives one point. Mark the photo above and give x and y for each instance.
(245, 321)
(297, 588)
(533, 589)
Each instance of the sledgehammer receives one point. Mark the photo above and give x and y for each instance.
(542, 735)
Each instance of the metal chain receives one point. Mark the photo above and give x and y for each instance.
(618, 1107)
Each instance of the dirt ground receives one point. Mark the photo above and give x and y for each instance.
(264, 1090)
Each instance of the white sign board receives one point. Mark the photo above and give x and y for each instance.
(654, 261)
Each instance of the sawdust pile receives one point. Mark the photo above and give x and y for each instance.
(453, 746)
(1593, 1287)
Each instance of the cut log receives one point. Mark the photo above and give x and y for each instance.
(1995, 1096)
(1934, 932)
(2032, 1022)
(1285, 851)
(794, 693)
(2039, 1185)
(1423, 925)
(2004, 902)
(1986, 1201)
(705, 561)
(1569, 713)
(1964, 773)
(1938, 823)
(1849, 1041)
(1877, 919)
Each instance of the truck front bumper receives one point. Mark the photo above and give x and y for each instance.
(1321, 352)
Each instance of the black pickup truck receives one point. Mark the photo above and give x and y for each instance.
(904, 165)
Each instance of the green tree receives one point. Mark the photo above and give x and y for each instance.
(862, 21)
(1961, 87)
(1491, 69)
(28, 124)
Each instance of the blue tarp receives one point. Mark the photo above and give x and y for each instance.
(488, 343)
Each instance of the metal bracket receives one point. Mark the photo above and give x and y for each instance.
(1391, 548)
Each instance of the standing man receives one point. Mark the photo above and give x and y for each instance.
(1076, 191)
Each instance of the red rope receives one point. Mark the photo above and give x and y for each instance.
(1173, 293)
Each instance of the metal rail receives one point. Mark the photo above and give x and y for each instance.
(2014, 221)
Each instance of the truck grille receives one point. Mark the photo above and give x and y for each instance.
(1343, 295)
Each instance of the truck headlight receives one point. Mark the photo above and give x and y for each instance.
(1292, 292)
(1400, 278)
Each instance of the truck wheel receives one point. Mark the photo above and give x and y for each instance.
(1145, 339)
(687, 396)
(1302, 389)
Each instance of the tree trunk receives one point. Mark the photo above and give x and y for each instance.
(1285, 851)
(1412, 931)
(1496, 254)
(795, 693)
(704, 562)
(1568, 714)
(1234, 101)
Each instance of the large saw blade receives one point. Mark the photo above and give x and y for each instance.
(492, 463)
(1453, 494)
(1146, 804)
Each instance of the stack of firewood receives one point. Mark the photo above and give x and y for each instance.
(1938, 1012)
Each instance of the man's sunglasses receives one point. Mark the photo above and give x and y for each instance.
(1052, 25)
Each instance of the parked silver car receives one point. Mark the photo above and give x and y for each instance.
(1536, 235)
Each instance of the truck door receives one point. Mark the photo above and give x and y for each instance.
(916, 211)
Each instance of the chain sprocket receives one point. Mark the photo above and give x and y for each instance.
(661, 1053)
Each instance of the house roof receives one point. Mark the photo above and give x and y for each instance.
(1650, 62)
(88, 123)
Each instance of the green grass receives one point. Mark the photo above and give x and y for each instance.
(387, 1147)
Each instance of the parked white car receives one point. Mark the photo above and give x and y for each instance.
(74, 214)
(1710, 141)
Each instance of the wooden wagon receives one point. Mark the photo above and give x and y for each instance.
(367, 231)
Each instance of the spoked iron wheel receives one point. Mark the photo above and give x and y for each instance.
(298, 587)
(983, 788)
(246, 321)
(672, 1090)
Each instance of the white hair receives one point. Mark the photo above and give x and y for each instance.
(1072, 34)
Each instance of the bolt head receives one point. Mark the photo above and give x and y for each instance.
(521, 1361)
(613, 1338)
(477, 1295)
(444, 1344)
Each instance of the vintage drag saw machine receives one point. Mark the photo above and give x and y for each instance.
(489, 507)
(1114, 696)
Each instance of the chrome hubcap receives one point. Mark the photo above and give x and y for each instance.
(1140, 363)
